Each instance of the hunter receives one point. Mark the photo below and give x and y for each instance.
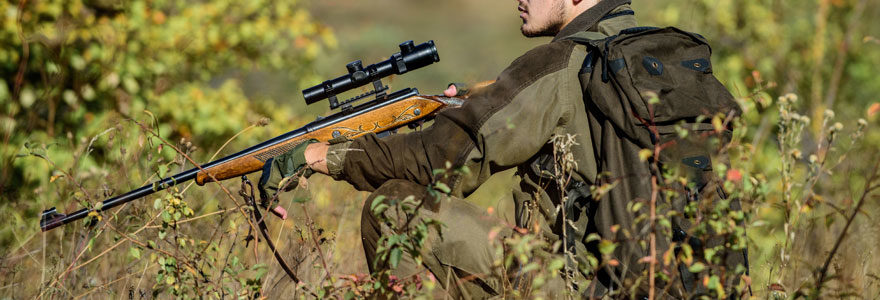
(540, 93)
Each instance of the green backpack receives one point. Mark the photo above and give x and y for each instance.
(622, 78)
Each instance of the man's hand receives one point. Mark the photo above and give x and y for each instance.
(284, 172)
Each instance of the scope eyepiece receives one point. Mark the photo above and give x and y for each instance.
(409, 58)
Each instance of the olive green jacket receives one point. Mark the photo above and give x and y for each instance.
(506, 125)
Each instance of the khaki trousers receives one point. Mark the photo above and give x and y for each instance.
(460, 256)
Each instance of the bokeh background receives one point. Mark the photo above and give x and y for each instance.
(81, 82)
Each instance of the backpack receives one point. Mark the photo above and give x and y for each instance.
(622, 77)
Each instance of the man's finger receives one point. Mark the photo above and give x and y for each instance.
(280, 212)
(451, 91)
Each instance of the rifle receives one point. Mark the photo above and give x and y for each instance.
(384, 114)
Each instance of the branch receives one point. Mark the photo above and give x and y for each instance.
(869, 187)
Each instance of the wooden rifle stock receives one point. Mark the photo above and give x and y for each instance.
(388, 116)
(405, 107)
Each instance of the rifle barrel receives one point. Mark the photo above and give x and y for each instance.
(51, 218)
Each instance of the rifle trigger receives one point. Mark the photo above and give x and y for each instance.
(415, 124)
(386, 133)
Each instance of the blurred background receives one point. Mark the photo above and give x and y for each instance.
(82, 81)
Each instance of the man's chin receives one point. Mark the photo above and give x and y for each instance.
(530, 33)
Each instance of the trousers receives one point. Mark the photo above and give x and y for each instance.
(460, 255)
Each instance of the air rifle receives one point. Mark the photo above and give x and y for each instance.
(382, 114)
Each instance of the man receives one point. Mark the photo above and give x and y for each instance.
(508, 124)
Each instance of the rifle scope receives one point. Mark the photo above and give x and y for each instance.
(409, 58)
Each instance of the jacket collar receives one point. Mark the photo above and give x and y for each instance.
(589, 18)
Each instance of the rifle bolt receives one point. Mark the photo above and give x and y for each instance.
(417, 111)
(336, 133)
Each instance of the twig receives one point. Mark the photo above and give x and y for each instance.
(653, 238)
(823, 272)
(112, 247)
(190, 267)
(196, 218)
(221, 149)
(138, 286)
(311, 225)
(843, 52)
(80, 296)
(25, 51)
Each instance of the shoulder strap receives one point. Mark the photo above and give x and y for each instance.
(586, 37)
(591, 39)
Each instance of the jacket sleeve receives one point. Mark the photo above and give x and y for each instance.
(502, 126)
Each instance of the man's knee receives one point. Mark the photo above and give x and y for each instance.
(391, 191)
(371, 223)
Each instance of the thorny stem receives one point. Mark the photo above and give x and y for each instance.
(869, 187)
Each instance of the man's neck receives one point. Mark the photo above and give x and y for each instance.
(589, 17)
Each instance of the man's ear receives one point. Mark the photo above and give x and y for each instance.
(589, 3)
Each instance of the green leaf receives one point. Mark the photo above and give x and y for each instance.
(442, 187)
(376, 201)
(709, 254)
(714, 282)
(697, 267)
(529, 267)
(162, 170)
(636, 206)
(606, 247)
(135, 252)
(556, 264)
(664, 222)
(381, 208)
(394, 259)
(131, 85)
